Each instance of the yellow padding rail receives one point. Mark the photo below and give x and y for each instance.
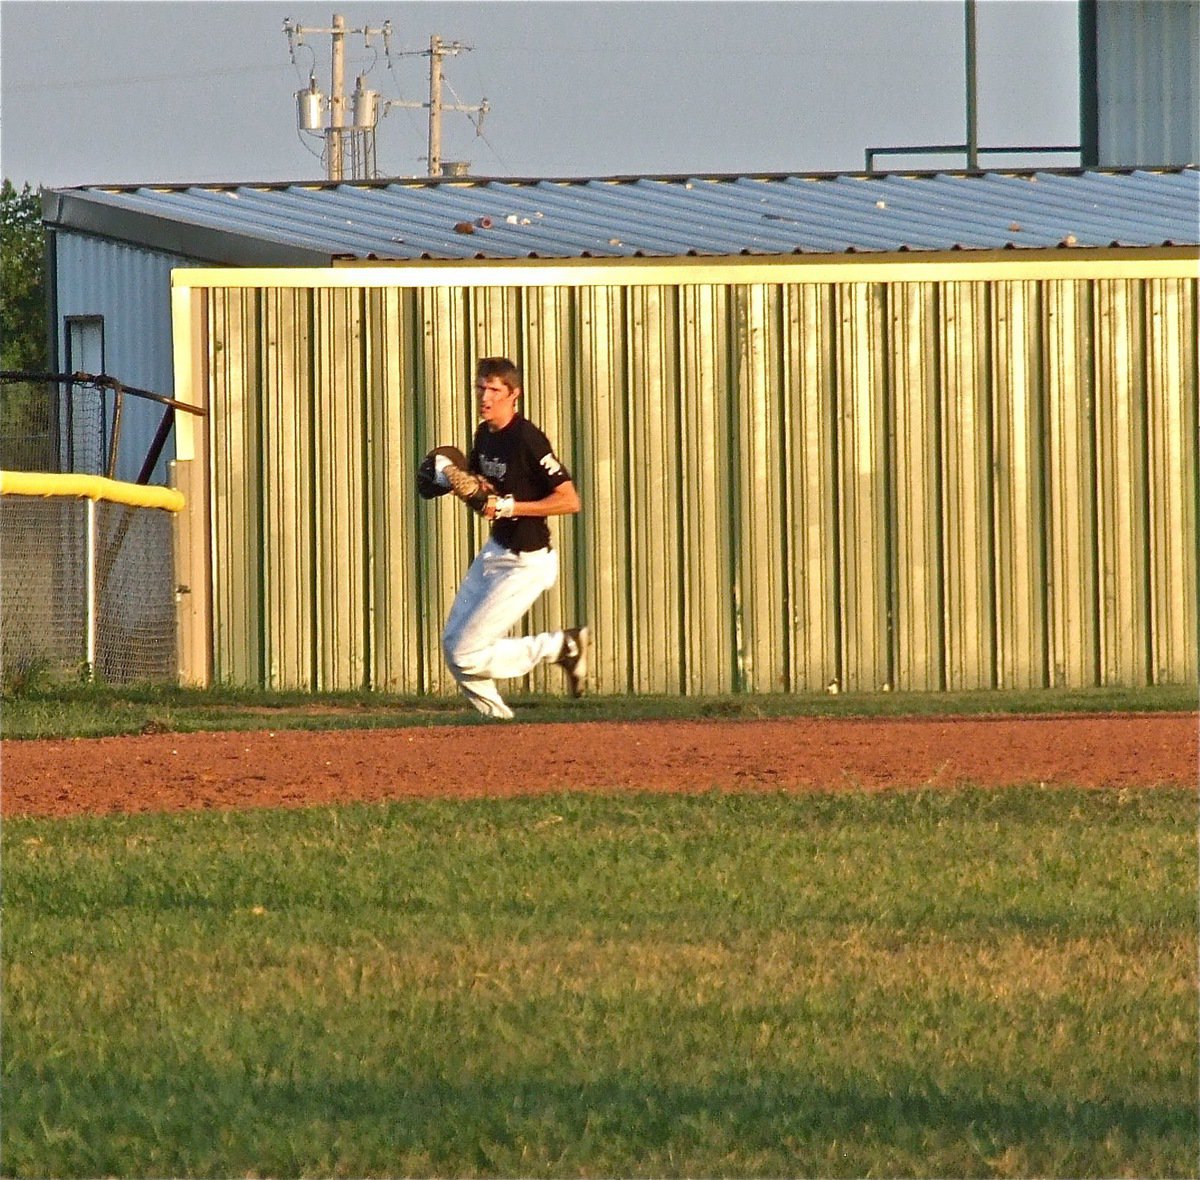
(89, 487)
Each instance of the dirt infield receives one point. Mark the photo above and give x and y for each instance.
(174, 772)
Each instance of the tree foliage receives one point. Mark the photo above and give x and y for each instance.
(22, 279)
(26, 436)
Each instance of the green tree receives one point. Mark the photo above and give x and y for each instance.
(22, 279)
(25, 435)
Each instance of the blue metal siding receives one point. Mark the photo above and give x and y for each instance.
(1148, 81)
(130, 288)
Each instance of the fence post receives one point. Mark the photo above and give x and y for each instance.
(90, 574)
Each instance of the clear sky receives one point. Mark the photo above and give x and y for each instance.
(115, 91)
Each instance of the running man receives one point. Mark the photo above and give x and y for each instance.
(517, 564)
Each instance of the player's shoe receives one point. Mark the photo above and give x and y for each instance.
(573, 658)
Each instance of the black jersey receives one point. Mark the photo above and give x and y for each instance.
(520, 461)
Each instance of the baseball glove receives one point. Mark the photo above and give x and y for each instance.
(443, 470)
(428, 487)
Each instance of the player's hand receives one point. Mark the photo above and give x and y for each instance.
(498, 507)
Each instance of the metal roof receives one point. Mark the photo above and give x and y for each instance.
(475, 218)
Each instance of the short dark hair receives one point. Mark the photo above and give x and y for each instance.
(499, 366)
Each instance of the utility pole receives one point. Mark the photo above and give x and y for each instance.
(337, 100)
(311, 102)
(366, 103)
(435, 105)
(439, 49)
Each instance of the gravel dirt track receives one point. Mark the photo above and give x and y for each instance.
(176, 772)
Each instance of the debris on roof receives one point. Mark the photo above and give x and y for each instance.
(696, 216)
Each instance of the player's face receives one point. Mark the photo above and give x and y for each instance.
(497, 402)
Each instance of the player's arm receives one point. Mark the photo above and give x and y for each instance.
(563, 500)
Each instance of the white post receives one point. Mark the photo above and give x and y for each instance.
(335, 165)
(90, 574)
(435, 105)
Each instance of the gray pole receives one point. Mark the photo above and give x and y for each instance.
(337, 102)
(1089, 89)
(435, 105)
(972, 116)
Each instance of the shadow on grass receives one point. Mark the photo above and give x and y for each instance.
(191, 1121)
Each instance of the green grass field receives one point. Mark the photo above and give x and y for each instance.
(959, 983)
(42, 710)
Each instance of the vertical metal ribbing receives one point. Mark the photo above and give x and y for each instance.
(398, 516)
(863, 537)
(1072, 626)
(986, 522)
(445, 351)
(887, 426)
(418, 444)
(682, 489)
(706, 457)
(1044, 455)
(272, 486)
(310, 499)
(950, 490)
(790, 542)
(1101, 320)
(340, 491)
(543, 325)
(368, 444)
(281, 542)
(760, 482)
(652, 407)
(1188, 667)
(218, 522)
(1047, 443)
(916, 573)
(967, 490)
(811, 493)
(1171, 463)
(1018, 501)
(603, 435)
(736, 604)
(837, 494)
(237, 524)
(938, 361)
(631, 537)
(784, 612)
(258, 467)
(1144, 377)
(569, 364)
(548, 326)
(1121, 483)
(1091, 424)
(414, 397)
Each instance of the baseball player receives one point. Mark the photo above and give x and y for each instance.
(512, 478)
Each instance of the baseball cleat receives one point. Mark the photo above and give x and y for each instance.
(573, 658)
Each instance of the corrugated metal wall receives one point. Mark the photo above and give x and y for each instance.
(1148, 82)
(921, 485)
(129, 289)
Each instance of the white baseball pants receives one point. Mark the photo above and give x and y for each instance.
(494, 597)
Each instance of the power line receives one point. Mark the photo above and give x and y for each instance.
(114, 82)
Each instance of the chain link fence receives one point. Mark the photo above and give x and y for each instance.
(86, 585)
(87, 591)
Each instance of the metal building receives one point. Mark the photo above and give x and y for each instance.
(912, 431)
(1139, 95)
